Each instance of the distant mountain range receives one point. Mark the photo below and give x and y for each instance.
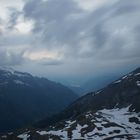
(25, 99)
(111, 113)
(94, 84)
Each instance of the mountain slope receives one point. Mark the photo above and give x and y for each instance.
(120, 93)
(105, 124)
(112, 113)
(25, 99)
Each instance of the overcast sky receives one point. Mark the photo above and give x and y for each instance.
(70, 40)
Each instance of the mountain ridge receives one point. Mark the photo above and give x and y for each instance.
(30, 98)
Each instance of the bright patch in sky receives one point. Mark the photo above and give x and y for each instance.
(42, 54)
(24, 26)
(90, 5)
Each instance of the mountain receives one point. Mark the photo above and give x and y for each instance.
(112, 113)
(25, 99)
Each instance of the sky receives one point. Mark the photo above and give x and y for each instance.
(70, 41)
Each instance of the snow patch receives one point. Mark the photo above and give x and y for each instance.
(4, 136)
(20, 74)
(42, 132)
(60, 133)
(137, 74)
(124, 77)
(98, 92)
(118, 81)
(138, 83)
(23, 136)
(76, 133)
(10, 133)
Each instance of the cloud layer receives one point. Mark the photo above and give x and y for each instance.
(77, 37)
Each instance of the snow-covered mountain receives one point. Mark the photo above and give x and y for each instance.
(112, 113)
(25, 99)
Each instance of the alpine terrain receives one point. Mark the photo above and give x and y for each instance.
(112, 113)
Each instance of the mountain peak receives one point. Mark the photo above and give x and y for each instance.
(11, 71)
